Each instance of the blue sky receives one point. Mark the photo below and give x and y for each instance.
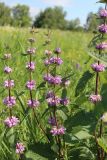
(74, 8)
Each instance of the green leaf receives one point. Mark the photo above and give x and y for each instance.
(55, 148)
(62, 114)
(83, 82)
(102, 143)
(64, 93)
(83, 134)
(34, 156)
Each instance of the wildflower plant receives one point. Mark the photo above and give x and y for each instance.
(33, 103)
(99, 44)
(54, 83)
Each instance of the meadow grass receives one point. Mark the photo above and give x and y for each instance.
(74, 53)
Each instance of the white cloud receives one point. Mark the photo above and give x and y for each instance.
(58, 2)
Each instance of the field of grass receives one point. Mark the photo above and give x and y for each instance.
(80, 115)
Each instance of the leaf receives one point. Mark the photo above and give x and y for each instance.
(83, 134)
(64, 93)
(68, 139)
(55, 148)
(11, 136)
(102, 57)
(62, 114)
(102, 143)
(20, 100)
(34, 156)
(83, 82)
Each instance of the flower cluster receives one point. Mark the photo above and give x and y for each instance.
(103, 13)
(53, 60)
(33, 103)
(20, 148)
(30, 66)
(11, 121)
(103, 28)
(10, 102)
(95, 98)
(31, 84)
(7, 70)
(31, 50)
(55, 80)
(101, 46)
(58, 131)
(9, 83)
(98, 67)
(52, 99)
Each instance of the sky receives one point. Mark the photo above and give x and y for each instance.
(74, 8)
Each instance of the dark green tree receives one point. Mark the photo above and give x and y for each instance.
(21, 15)
(51, 18)
(5, 14)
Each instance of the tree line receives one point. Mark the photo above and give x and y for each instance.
(54, 18)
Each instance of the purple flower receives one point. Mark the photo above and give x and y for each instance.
(9, 101)
(50, 94)
(95, 98)
(53, 101)
(103, 28)
(64, 101)
(57, 51)
(103, 13)
(33, 103)
(48, 52)
(98, 67)
(11, 121)
(30, 85)
(9, 83)
(7, 69)
(47, 62)
(31, 50)
(55, 80)
(30, 66)
(101, 46)
(20, 148)
(47, 77)
(31, 40)
(7, 56)
(56, 60)
(58, 131)
(52, 121)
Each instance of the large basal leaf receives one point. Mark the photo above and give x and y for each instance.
(34, 156)
(83, 82)
(81, 132)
